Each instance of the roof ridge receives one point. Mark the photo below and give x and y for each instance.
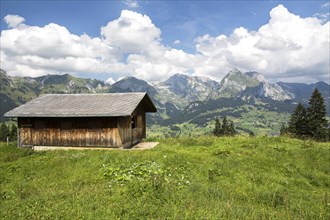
(92, 94)
(81, 105)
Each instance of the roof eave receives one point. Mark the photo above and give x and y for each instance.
(153, 107)
(64, 116)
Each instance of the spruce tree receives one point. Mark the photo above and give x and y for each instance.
(225, 126)
(298, 122)
(217, 128)
(13, 133)
(283, 130)
(316, 115)
(4, 132)
(232, 130)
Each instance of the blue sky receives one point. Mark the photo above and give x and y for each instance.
(183, 20)
(180, 24)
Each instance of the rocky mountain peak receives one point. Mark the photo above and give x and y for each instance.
(2, 72)
(132, 84)
(266, 90)
(130, 81)
(4, 79)
(186, 79)
(234, 71)
(236, 81)
(251, 85)
(256, 75)
(177, 78)
(54, 79)
(181, 89)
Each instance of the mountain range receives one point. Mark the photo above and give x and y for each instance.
(181, 98)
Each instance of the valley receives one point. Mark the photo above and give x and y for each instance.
(187, 105)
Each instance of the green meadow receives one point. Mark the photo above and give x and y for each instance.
(181, 178)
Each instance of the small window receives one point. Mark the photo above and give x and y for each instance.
(39, 124)
(94, 124)
(133, 121)
(26, 125)
(66, 125)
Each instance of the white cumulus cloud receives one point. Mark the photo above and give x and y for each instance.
(131, 33)
(288, 47)
(131, 3)
(34, 51)
(324, 17)
(284, 47)
(13, 20)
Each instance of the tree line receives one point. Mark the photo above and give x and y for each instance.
(8, 131)
(309, 122)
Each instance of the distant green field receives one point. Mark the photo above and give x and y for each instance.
(257, 120)
(182, 178)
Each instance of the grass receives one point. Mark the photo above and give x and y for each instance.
(182, 178)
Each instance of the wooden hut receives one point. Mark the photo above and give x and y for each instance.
(83, 120)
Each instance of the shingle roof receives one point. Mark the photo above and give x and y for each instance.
(83, 105)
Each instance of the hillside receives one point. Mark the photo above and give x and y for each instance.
(263, 118)
(15, 91)
(185, 178)
(183, 102)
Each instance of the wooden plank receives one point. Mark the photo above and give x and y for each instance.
(111, 132)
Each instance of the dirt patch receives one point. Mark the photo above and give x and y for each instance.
(139, 146)
(144, 145)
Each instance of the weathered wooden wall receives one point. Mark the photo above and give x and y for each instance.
(139, 132)
(80, 132)
(104, 132)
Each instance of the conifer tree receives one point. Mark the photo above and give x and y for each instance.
(283, 130)
(232, 130)
(225, 126)
(298, 122)
(316, 114)
(4, 132)
(217, 128)
(13, 133)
